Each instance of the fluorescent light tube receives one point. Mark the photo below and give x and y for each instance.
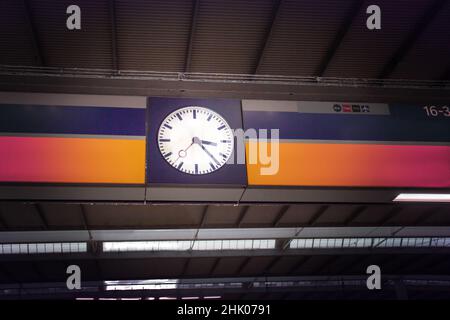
(423, 197)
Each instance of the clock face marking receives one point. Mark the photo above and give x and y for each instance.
(195, 140)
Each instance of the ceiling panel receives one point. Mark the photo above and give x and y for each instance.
(227, 266)
(300, 214)
(302, 36)
(429, 57)
(199, 266)
(336, 214)
(142, 216)
(21, 216)
(262, 215)
(229, 35)
(256, 265)
(153, 35)
(63, 216)
(363, 53)
(222, 215)
(15, 35)
(89, 47)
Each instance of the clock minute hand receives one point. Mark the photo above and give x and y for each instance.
(209, 154)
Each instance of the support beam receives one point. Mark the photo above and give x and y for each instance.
(37, 50)
(3, 221)
(354, 215)
(242, 266)
(214, 267)
(280, 215)
(317, 215)
(393, 213)
(411, 39)
(222, 234)
(301, 262)
(112, 19)
(41, 215)
(195, 12)
(425, 216)
(268, 38)
(242, 216)
(84, 218)
(272, 263)
(202, 223)
(185, 267)
(342, 32)
(169, 84)
(306, 284)
(385, 252)
(204, 216)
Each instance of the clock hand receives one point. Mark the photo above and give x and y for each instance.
(209, 143)
(209, 154)
(182, 153)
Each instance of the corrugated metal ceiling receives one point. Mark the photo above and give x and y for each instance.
(277, 37)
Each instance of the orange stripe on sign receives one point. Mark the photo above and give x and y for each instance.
(72, 160)
(355, 165)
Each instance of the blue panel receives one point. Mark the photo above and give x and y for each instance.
(404, 124)
(72, 120)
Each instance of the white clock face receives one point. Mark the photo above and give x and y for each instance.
(195, 140)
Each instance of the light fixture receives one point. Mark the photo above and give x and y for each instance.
(423, 197)
(184, 245)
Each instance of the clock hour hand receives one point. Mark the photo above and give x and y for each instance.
(209, 143)
(209, 154)
(182, 153)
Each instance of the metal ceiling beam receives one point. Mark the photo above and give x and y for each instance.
(3, 221)
(221, 234)
(426, 19)
(189, 48)
(395, 211)
(271, 264)
(280, 215)
(202, 223)
(299, 89)
(269, 34)
(327, 264)
(112, 19)
(243, 265)
(317, 215)
(41, 214)
(37, 50)
(275, 253)
(242, 216)
(214, 266)
(425, 216)
(204, 216)
(94, 289)
(301, 262)
(339, 37)
(185, 267)
(359, 210)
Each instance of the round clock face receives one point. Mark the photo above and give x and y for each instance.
(195, 140)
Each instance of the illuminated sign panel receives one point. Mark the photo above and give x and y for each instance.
(352, 144)
(319, 144)
(65, 144)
